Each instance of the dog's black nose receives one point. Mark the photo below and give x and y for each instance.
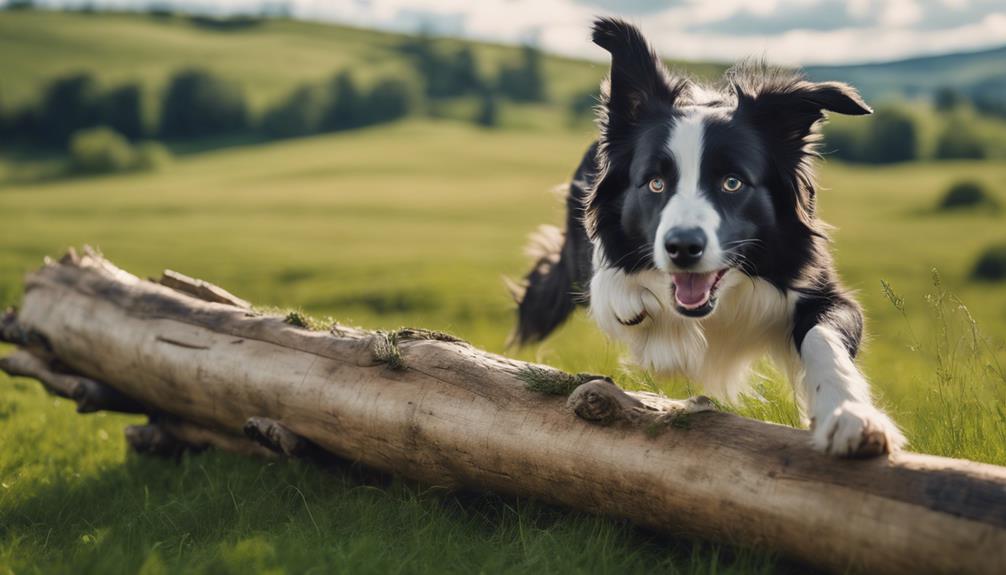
(685, 246)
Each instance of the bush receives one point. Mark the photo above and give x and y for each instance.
(991, 266)
(301, 114)
(100, 150)
(892, 137)
(198, 103)
(967, 194)
(959, 141)
(151, 157)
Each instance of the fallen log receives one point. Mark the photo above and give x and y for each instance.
(211, 371)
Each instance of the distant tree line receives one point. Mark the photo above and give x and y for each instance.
(986, 97)
(72, 103)
(197, 103)
(455, 73)
(897, 133)
(194, 104)
(339, 105)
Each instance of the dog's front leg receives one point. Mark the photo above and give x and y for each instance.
(619, 301)
(844, 421)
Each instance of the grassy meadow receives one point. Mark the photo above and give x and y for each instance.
(415, 224)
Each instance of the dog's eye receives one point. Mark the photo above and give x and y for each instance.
(732, 184)
(657, 185)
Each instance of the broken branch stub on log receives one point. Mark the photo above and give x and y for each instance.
(429, 407)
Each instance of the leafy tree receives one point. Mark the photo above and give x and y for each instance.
(6, 118)
(892, 137)
(844, 138)
(20, 4)
(524, 82)
(444, 75)
(198, 103)
(24, 125)
(947, 99)
(301, 114)
(122, 110)
(466, 78)
(959, 141)
(389, 100)
(68, 104)
(989, 95)
(345, 108)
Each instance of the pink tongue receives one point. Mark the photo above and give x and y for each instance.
(692, 290)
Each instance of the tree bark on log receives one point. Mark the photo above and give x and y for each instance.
(210, 371)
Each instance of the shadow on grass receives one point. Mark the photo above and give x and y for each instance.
(220, 513)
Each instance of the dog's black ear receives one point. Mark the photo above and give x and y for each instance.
(788, 111)
(638, 77)
(792, 107)
(836, 97)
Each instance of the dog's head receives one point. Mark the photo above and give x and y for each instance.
(703, 183)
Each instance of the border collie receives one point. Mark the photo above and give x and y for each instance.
(691, 232)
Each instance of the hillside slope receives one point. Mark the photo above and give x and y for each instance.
(267, 58)
(919, 76)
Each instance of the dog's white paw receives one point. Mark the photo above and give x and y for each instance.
(856, 430)
(618, 302)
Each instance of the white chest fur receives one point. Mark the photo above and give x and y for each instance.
(751, 319)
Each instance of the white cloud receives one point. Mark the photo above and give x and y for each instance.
(876, 30)
(900, 13)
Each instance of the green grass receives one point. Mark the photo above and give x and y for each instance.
(414, 224)
(411, 224)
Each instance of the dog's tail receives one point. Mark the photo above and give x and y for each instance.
(547, 296)
(559, 280)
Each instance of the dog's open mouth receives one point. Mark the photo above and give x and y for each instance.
(695, 293)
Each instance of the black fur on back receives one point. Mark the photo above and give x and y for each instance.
(559, 279)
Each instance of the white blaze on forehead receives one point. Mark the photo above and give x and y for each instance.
(689, 207)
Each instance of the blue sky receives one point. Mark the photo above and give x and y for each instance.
(785, 31)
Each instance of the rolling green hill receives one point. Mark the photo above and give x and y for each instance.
(267, 59)
(271, 57)
(919, 77)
